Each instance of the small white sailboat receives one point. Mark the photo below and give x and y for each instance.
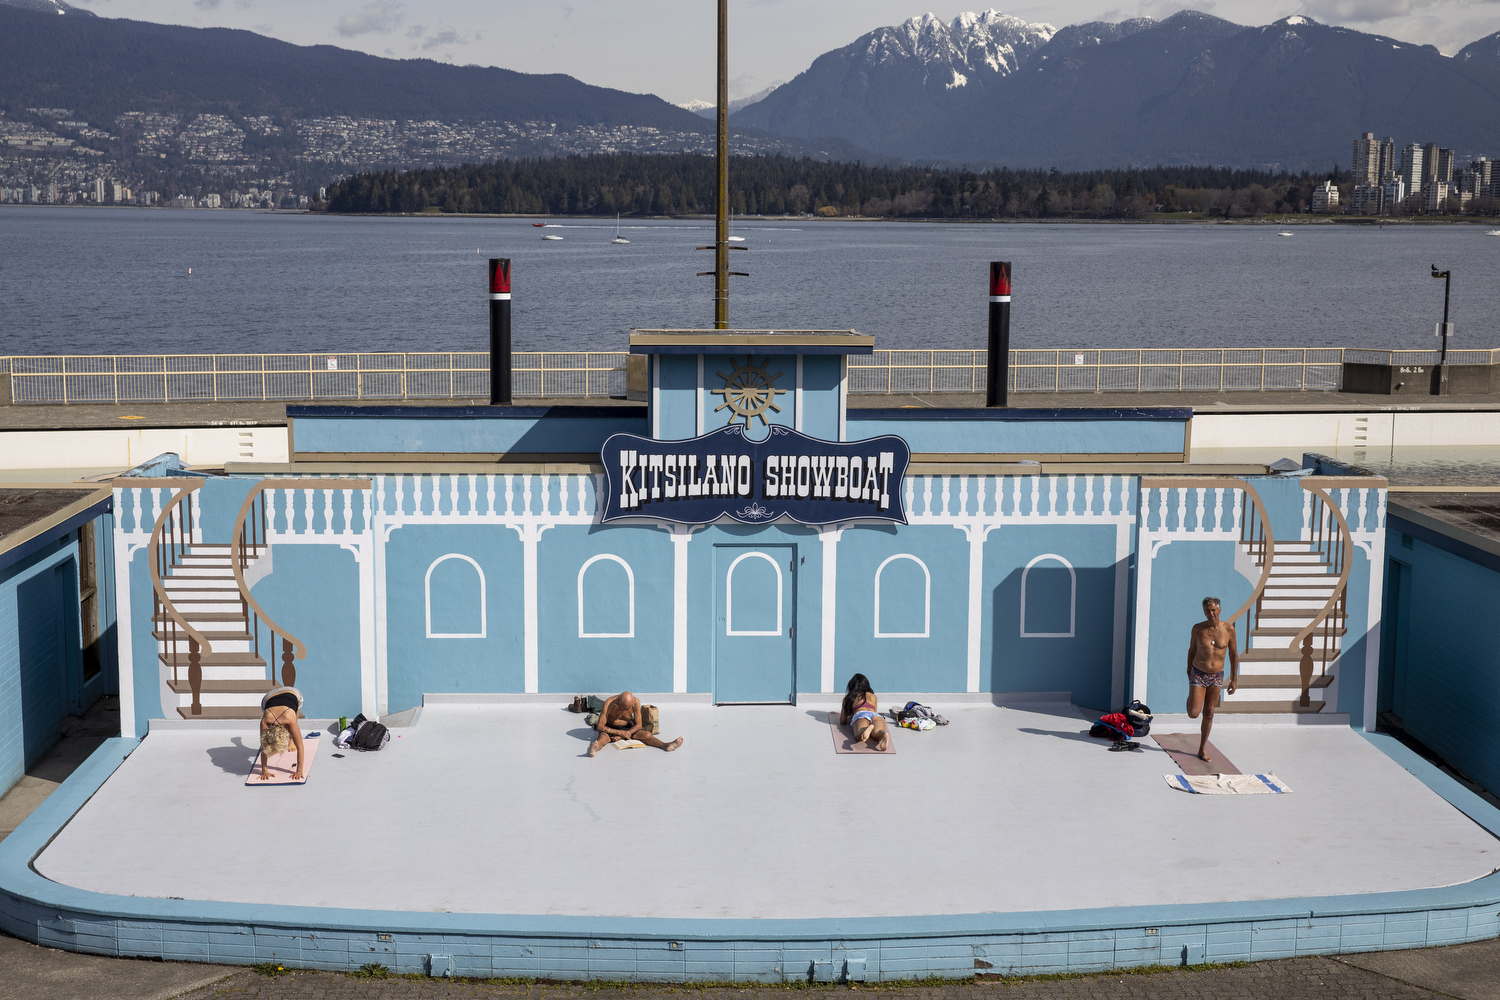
(1493, 232)
(618, 238)
(549, 236)
(1283, 233)
(734, 239)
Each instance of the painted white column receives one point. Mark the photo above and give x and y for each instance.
(382, 531)
(1376, 550)
(1122, 583)
(1145, 555)
(829, 536)
(123, 551)
(369, 697)
(530, 534)
(681, 535)
(976, 533)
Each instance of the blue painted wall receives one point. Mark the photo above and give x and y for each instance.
(416, 663)
(1437, 672)
(314, 592)
(1192, 570)
(1082, 663)
(39, 650)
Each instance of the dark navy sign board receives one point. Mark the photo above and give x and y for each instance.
(699, 480)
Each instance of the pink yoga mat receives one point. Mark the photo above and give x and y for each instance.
(1183, 748)
(283, 765)
(844, 741)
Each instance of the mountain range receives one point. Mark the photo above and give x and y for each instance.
(988, 89)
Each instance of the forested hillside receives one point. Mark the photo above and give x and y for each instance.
(684, 184)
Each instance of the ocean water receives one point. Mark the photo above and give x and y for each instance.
(116, 281)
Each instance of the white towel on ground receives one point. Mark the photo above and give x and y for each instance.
(1228, 784)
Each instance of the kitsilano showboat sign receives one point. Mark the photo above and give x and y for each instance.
(725, 474)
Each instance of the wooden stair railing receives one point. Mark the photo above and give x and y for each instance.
(1338, 554)
(171, 537)
(250, 534)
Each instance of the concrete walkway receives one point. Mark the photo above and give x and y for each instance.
(497, 809)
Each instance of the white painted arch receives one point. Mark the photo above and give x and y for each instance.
(630, 582)
(926, 600)
(483, 603)
(729, 628)
(1072, 598)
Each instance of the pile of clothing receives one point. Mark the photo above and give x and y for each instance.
(916, 716)
(1121, 727)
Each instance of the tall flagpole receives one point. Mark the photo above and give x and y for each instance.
(721, 220)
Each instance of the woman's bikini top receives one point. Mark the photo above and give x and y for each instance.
(284, 700)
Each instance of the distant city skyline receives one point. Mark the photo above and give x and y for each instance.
(666, 47)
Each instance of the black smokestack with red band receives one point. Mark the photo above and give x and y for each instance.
(499, 331)
(996, 393)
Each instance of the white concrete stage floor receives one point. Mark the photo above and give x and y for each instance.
(497, 809)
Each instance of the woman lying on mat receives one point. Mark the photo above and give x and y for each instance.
(279, 729)
(861, 711)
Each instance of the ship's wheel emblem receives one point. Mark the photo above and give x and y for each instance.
(749, 391)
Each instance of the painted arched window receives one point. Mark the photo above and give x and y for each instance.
(454, 590)
(1049, 598)
(903, 598)
(606, 598)
(750, 612)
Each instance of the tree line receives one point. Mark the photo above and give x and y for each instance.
(635, 184)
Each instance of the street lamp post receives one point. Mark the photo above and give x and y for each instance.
(1440, 377)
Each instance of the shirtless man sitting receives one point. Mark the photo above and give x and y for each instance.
(621, 719)
(1211, 639)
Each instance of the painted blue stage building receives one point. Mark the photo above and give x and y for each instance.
(746, 535)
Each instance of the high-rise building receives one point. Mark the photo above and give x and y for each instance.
(1367, 199)
(1445, 164)
(1435, 197)
(119, 194)
(1365, 169)
(1412, 162)
(1388, 164)
(1484, 177)
(1394, 194)
(1325, 197)
(98, 190)
(1429, 164)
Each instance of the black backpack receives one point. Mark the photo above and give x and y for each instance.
(368, 735)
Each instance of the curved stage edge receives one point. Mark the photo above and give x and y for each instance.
(676, 950)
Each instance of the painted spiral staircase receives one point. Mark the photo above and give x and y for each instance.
(212, 636)
(1293, 634)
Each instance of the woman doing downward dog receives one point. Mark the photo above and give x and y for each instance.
(861, 710)
(279, 729)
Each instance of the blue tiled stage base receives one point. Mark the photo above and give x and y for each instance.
(58, 916)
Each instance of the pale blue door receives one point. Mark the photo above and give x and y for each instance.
(753, 603)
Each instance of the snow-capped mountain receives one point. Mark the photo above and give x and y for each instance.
(708, 109)
(971, 47)
(1191, 88)
(895, 76)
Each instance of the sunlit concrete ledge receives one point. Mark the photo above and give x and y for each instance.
(883, 948)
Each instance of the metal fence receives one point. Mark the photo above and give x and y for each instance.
(159, 378)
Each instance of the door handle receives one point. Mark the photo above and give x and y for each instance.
(791, 632)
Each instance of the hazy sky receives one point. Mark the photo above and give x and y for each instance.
(666, 47)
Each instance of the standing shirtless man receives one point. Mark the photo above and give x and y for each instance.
(1211, 639)
(620, 719)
